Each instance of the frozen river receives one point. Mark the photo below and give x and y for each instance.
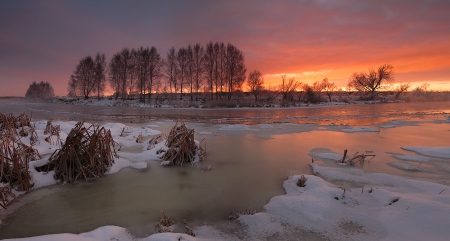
(250, 152)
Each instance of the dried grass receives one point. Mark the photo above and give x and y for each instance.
(155, 140)
(5, 193)
(87, 153)
(181, 146)
(301, 181)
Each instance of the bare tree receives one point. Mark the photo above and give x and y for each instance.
(369, 83)
(83, 78)
(114, 74)
(235, 69)
(287, 88)
(209, 66)
(170, 69)
(401, 88)
(190, 70)
(255, 81)
(182, 68)
(329, 88)
(155, 70)
(313, 91)
(99, 74)
(40, 90)
(198, 66)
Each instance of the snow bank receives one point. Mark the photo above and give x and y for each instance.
(360, 129)
(110, 233)
(395, 209)
(442, 152)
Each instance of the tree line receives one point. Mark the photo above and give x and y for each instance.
(218, 69)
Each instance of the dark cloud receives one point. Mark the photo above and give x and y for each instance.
(43, 40)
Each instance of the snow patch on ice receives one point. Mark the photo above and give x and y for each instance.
(441, 152)
(411, 158)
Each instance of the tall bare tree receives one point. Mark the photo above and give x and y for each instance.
(114, 74)
(99, 73)
(368, 83)
(255, 81)
(83, 77)
(235, 69)
(182, 68)
(198, 64)
(170, 69)
(155, 70)
(209, 66)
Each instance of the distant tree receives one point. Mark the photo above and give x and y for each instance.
(198, 65)
(329, 88)
(99, 74)
(255, 81)
(235, 69)
(114, 75)
(313, 91)
(209, 60)
(287, 88)
(155, 71)
(369, 83)
(182, 62)
(190, 72)
(82, 81)
(401, 88)
(40, 90)
(170, 69)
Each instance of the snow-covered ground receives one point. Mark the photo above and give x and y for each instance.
(376, 206)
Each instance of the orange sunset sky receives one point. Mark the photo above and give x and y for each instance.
(308, 40)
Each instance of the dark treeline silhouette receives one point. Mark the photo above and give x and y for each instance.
(40, 90)
(217, 70)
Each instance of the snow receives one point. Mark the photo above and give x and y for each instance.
(396, 209)
(360, 129)
(237, 127)
(331, 156)
(411, 158)
(404, 166)
(441, 152)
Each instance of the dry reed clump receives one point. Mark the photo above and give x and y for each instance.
(361, 158)
(181, 146)
(5, 193)
(163, 226)
(15, 155)
(140, 138)
(87, 153)
(53, 131)
(236, 215)
(14, 168)
(301, 181)
(155, 140)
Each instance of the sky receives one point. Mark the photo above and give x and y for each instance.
(304, 39)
